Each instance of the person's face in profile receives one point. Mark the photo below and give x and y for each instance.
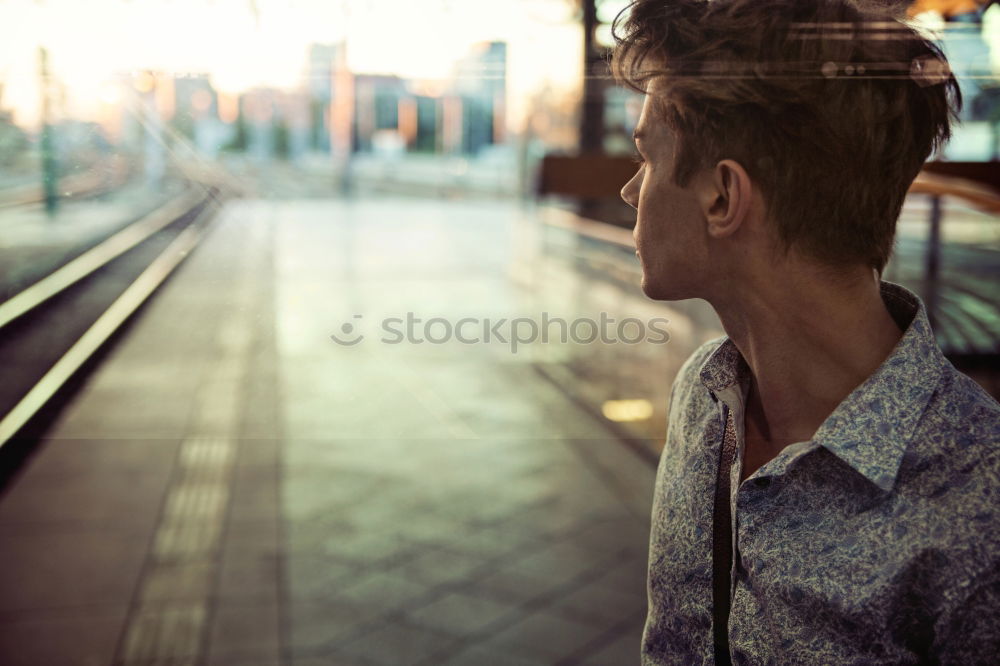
(670, 232)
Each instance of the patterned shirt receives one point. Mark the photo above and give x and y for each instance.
(877, 541)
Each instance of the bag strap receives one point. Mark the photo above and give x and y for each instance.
(722, 541)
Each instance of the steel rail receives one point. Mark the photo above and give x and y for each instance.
(96, 257)
(113, 317)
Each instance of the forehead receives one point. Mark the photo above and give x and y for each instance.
(653, 102)
(652, 122)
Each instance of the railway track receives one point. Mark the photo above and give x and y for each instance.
(55, 330)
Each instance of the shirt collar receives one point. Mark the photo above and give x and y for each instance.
(870, 429)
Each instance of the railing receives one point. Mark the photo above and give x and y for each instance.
(592, 179)
(934, 182)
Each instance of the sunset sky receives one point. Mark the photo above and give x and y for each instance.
(243, 43)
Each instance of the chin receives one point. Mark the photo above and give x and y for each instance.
(653, 290)
(664, 290)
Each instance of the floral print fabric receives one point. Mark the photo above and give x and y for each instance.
(877, 541)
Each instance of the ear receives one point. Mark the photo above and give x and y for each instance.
(724, 195)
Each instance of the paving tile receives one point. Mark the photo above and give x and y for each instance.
(248, 578)
(491, 543)
(70, 567)
(622, 649)
(461, 614)
(247, 632)
(254, 495)
(121, 412)
(389, 591)
(316, 576)
(370, 549)
(434, 566)
(543, 522)
(119, 496)
(543, 635)
(309, 536)
(516, 585)
(65, 459)
(613, 536)
(318, 473)
(382, 511)
(82, 637)
(600, 603)
(485, 656)
(398, 644)
(560, 560)
(478, 509)
(258, 540)
(330, 658)
(431, 528)
(177, 581)
(164, 632)
(625, 476)
(316, 627)
(259, 450)
(181, 539)
(627, 574)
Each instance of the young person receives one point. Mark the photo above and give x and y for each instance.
(830, 484)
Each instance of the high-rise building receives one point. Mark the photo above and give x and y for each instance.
(480, 80)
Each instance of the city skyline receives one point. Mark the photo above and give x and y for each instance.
(241, 49)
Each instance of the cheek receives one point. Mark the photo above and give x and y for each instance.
(653, 209)
(653, 193)
(643, 208)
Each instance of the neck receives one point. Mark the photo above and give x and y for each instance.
(809, 342)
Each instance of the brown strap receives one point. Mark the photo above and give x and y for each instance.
(722, 542)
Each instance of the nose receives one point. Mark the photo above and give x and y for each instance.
(630, 193)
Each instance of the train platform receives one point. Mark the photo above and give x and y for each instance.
(233, 486)
(293, 454)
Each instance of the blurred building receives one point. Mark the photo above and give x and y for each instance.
(319, 82)
(481, 82)
(462, 115)
(196, 113)
(376, 111)
(276, 123)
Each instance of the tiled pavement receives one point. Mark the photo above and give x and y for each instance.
(232, 487)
